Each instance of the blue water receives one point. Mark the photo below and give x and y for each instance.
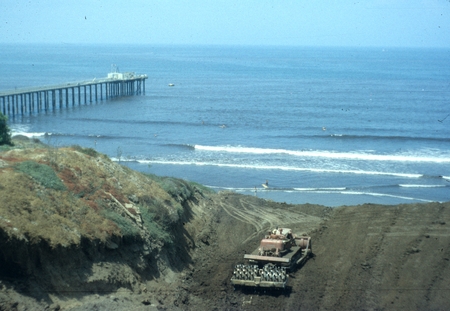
(332, 126)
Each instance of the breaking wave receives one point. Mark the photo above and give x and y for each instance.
(340, 191)
(328, 154)
(277, 167)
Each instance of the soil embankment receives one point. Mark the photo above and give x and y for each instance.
(82, 246)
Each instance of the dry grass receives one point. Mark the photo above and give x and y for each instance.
(32, 209)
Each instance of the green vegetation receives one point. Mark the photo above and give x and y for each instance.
(5, 148)
(126, 226)
(42, 173)
(152, 222)
(201, 187)
(5, 132)
(178, 188)
(89, 151)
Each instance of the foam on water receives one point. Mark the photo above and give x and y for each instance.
(357, 155)
(276, 167)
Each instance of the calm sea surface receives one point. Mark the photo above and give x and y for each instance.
(330, 126)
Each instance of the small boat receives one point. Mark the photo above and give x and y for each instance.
(171, 84)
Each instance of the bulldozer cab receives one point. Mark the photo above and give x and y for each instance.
(280, 234)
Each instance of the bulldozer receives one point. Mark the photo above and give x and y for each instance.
(279, 252)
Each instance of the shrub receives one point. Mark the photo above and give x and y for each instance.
(201, 187)
(149, 219)
(159, 213)
(42, 173)
(5, 132)
(89, 151)
(178, 188)
(5, 148)
(126, 226)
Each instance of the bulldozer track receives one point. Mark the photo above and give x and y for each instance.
(256, 216)
(242, 215)
(260, 219)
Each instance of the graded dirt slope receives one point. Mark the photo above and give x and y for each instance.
(367, 257)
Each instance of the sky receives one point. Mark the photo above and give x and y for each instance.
(371, 23)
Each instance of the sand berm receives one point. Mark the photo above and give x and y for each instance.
(81, 232)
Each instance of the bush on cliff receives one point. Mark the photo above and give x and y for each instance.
(42, 173)
(5, 132)
(177, 188)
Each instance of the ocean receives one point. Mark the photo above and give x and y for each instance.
(331, 126)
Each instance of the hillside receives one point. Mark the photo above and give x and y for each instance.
(80, 232)
(72, 222)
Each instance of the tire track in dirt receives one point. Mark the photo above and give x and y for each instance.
(249, 216)
(261, 217)
(240, 215)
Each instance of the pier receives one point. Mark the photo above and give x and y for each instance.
(48, 98)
